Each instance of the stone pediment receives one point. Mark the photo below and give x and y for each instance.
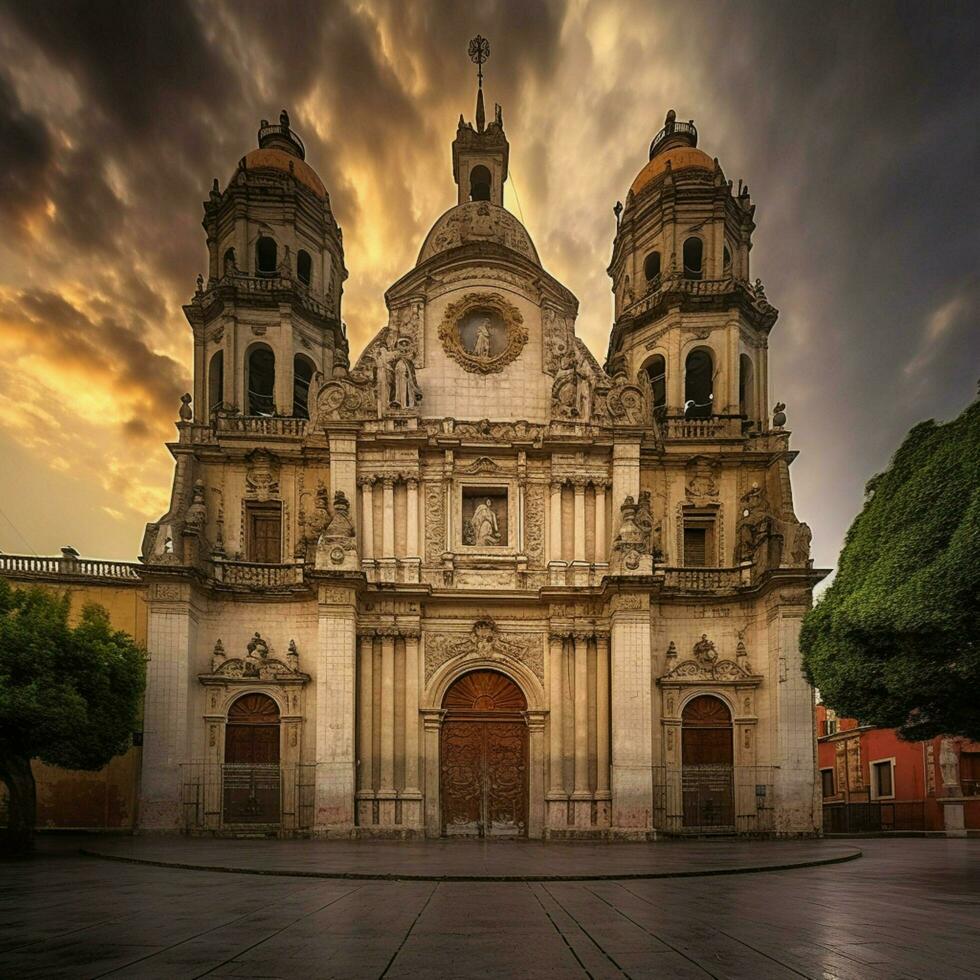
(483, 643)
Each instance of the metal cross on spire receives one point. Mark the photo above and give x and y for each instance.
(479, 52)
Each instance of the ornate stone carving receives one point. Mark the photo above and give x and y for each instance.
(482, 529)
(705, 665)
(574, 386)
(257, 664)
(435, 522)
(556, 337)
(802, 536)
(197, 514)
(483, 332)
(397, 387)
(336, 546)
(757, 537)
(702, 479)
(482, 465)
(779, 415)
(346, 399)
(261, 474)
(949, 764)
(631, 546)
(484, 643)
(534, 523)
(475, 222)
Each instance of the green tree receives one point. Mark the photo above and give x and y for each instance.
(894, 641)
(70, 696)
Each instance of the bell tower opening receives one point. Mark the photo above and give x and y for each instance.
(479, 183)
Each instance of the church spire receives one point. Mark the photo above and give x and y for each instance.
(480, 155)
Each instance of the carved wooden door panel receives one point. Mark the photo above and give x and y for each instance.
(706, 757)
(506, 779)
(462, 777)
(250, 775)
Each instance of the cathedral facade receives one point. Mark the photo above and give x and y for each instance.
(476, 583)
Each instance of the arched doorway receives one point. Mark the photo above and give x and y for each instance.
(706, 760)
(483, 757)
(251, 774)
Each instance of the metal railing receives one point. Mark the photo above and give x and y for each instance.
(970, 787)
(277, 129)
(714, 799)
(672, 129)
(89, 567)
(258, 575)
(216, 797)
(874, 817)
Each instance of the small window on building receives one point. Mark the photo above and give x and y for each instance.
(830, 726)
(302, 376)
(231, 262)
(651, 267)
(698, 384)
(304, 266)
(264, 532)
(827, 782)
(479, 183)
(260, 380)
(727, 261)
(216, 381)
(266, 256)
(693, 255)
(970, 773)
(881, 780)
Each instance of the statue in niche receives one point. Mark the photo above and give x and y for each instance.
(484, 528)
(801, 544)
(481, 346)
(949, 764)
(756, 529)
(406, 392)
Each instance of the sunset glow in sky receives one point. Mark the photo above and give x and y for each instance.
(854, 126)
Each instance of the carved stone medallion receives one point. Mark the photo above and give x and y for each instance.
(483, 332)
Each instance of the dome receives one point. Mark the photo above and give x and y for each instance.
(270, 158)
(680, 158)
(477, 221)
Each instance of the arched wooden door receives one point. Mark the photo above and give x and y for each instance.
(483, 757)
(706, 759)
(251, 775)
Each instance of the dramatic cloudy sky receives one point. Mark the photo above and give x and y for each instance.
(854, 124)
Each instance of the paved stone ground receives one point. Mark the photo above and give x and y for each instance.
(908, 908)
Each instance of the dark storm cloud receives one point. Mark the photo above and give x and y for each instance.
(853, 123)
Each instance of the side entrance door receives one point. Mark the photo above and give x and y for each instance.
(706, 759)
(251, 775)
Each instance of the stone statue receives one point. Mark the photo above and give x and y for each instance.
(197, 514)
(292, 656)
(257, 647)
(406, 392)
(217, 657)
(644, 519)
(484, 523)
(340, 525)
(383, 360)
(801, 544)
(583, 388)
(705, 652)
(481, 347)
(949, 764)
(755, 528)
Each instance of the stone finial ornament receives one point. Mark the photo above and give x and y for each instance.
(779, 415)
(186, 412)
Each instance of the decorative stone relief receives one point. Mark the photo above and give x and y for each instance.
(557, 339)
(435, 522)
(704, 665)
(758, 536)
(256, 664)
(574, 386)
(483, 332)
(397, 387)
(261, 475)
(336, 547)
(346, 399)
(484, 643)
(534, 522)
(475, 222)
(702, 479)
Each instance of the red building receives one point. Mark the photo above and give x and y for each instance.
(872, 780)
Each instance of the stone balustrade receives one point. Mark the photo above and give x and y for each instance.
(716, 427)
(16, 566)
(706, 580)
(256, 575)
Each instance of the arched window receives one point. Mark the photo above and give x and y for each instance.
(302, 376)
(657, 372)
(698, 384)
(304, 266)
(479, 183)
(216, 381)
(260, 381)
(746, 405)
(727, 261)
(231, 262)
(651, 266)
(693, 256)
(266, 256)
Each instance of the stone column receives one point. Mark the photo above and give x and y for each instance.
(555, 515)
(171, 639)
(386, 783)
(365, 732)
(367, 520)
(535, 776)
(431, 727)
(579, 528)
(626, 472)
(412, 519)
(411, 795)
(283, 383)
(335, 760)
(600, 523)
(388, 518)
(602, 716)
(557, 807)
(343, 466)
(631, 704)
(581, 793)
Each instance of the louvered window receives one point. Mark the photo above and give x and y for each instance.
(695, 546)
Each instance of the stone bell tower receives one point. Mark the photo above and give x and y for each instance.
(686, 313)
(267, 319)
(480, 154)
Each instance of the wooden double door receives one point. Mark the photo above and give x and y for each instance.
(706, 758)
(484, 758)
(251, 777)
